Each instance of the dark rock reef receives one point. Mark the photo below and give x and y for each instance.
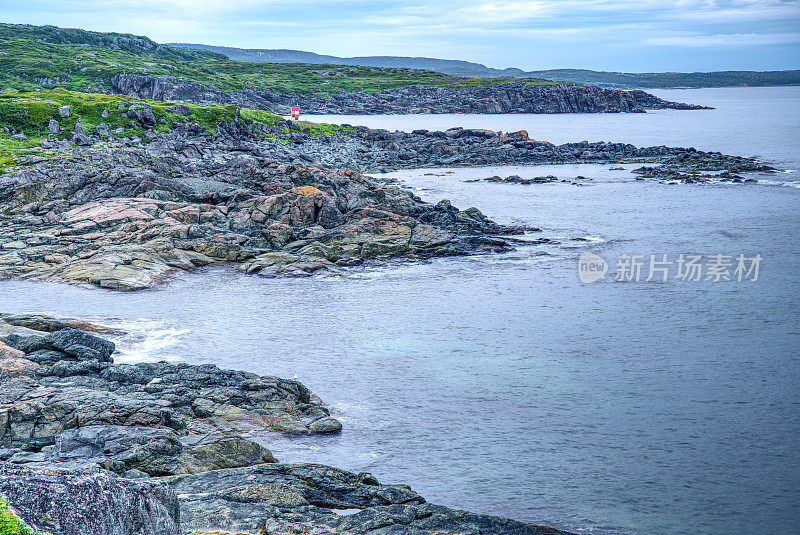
(90, 446)
(516, 97)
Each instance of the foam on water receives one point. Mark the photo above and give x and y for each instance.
(145, 340)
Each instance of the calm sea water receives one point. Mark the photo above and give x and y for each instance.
(502, 384)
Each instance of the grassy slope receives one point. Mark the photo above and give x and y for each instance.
(30, 113)
(36, 56)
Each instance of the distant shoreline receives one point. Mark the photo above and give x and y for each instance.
(605, 79)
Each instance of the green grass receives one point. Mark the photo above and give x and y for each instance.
(31, 111)
(42, 56)
(10, 524)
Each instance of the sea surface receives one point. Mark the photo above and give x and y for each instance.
(502, 383)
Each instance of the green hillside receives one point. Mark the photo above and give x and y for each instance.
(30, 112)
(45, 56)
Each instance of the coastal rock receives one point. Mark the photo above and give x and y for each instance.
(514, 97)
(287, 498)
(67, 343)
(165, 431)
(8, 352)
(67, 380)
(125, 218)
(16, 367)
(68, 503)
(49, 324)
(154, 451)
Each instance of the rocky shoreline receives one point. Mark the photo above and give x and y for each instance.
(90, 446)
(516, 97)
(125, 213)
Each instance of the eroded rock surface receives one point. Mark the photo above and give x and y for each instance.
(62, 502)
(127, 218)
(318, 499)
(62, 399)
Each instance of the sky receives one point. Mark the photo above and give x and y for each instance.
(615, 35)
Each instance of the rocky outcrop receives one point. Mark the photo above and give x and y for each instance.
(72, 383)
(127, 217)
(89, 446)
(651, 102)
(312, 498)
(516, 97)
(64, 502)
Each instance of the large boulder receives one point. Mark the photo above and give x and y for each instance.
(153, 451)
(180, 109)
(70, 503)
(81, 345)
(143, 114)
(66, 344)
(79, 136)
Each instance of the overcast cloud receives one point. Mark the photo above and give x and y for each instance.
(630, 35)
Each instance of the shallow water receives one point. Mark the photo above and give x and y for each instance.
(501, 383)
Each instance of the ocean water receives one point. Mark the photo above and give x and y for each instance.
(502, 383)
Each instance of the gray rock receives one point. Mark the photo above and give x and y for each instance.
(104, 115)
(66, 343)
(180, 109)
(143, 114)
(282, 498)
(19, 137)
(64, 111)
(79, 136)
(53, 127)
(175, 400)
(81, 345)
(69, 503)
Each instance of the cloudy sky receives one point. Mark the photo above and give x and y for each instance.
(624, 35)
